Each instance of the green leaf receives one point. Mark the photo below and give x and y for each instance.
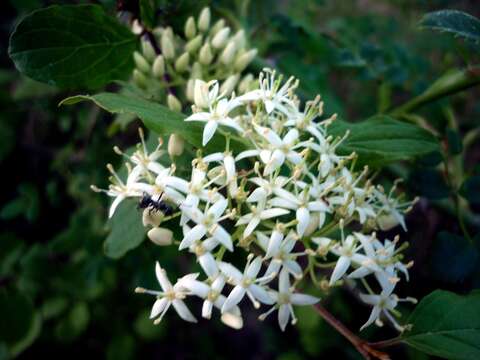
(454, 22)
(127, 230)
(447, 325)
(17, 314)
(72, 46)
(74, 323)
(380, 140)
(156, 117)
(470, 189)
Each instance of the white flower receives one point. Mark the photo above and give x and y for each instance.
(218, 114)
(266, 187)
(245, 283)
(347, 251)
(285, 298)
(385, 304)
(279, 249)
(390, 210)
(213, 297)
(171, 295)
(228, 163)
(207, 223)
(256, 215)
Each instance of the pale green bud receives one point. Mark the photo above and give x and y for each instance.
(196, 71)
(160, 236)
(201, 94)
(182, 62)
(190, 28)
(176, 144)
(166, 43)
(219, 25)
(190, 90)
(136, 27)
(158, 31)
(243, 60)
(229, 84)
(139, 79)
(205, 55)
(159, 66)
(152, 218)
(173, 103)
(244, 85)
(220, 38)
(141, 63)
(168, 31)
(204, 19)
(228, 53)
(239, 39)
(148, 51)
(194, 44)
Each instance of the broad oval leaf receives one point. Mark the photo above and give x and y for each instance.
(127, 230)
(72, 46)
(156, 117)
(381, 139)
(446, 325)
(455, 22)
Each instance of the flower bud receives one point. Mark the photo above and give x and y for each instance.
(229, 84)
(173, 103)
(206, 55)
(244, 85)
(228, 53)
(219, 25)
(152, 218)
(239, 39)
(148, 51)
(182, 62)
(386, 222)
(168, 50)
(312, 225)
(204, 19)
(139, 79)
(136, 27)
(201, 94)
(160, 236)
(220, 38)
(190, 28)
(196, 71)
(190, 92)
(176, 144)
(235, 321)
(194, 44)
(159, 66)
(141, 63)
(243, 60)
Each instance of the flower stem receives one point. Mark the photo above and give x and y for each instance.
(366, 349)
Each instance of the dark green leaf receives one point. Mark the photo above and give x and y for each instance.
(455, 22)
(470, 189)
(156, 117)
(74, 324)
(127, 230)
(380, 140)
(17, 314)
(454, 139)
(72, 46)
(147, 12)
(447, 325)
(453, 257)
(429, 183)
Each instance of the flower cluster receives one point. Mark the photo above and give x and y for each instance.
(278, 192)
(169, 63)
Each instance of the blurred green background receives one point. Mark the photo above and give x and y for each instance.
(60, 296)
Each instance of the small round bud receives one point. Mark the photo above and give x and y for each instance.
(181, 64)
(204, 19)
(159, 66)
(141, 63)
(243, 60)
(229, 85)
(245, 84)
(136, 27)
(194, 44)
(139, 78)
(196, 70)
(239, 39)
(176, 145)
(168, 50)
(148, 51)
(190, 90)
(219, 25)
(152, 218)
(160, 236)
(228, 53)
(173, 103)
(206, 55)
(312, 225)
(220, 38)
(387, 221)
(201, 94)
(190, 28)
(235, 321)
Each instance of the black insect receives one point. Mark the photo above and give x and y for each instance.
(156, 205)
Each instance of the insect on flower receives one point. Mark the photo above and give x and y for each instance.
(158, 205)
